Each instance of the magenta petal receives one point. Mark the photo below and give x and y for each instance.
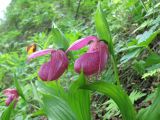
(81, 43)
(39, 53)
(11, 94)
(9, 100)
(53, 69)
(94, 60)
(9, 91)
(89, 62)
(44, 71)
(103, 51)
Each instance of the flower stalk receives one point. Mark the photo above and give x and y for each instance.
(114, 63)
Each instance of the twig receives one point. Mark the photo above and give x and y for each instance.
(79, 3)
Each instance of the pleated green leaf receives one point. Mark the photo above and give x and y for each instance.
(65, 105)
(50, 88)
(118, 95)
(57, 109)
(53, 104)
(7, 113)
(46, 88)
(79, 99)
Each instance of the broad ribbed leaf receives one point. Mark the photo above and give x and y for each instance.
(67, 105)
(79, 99)
(7, 113)
(118, 95)
(57, 109)
(153, 111)
(53, 103)
(102, 27)
(50, 88)
(59, 39)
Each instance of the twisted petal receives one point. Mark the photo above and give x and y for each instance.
(81, 43)
(53, 69)
(39, 53)
(89, 62)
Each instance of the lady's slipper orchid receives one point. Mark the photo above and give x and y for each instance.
(11, 94)
(55, 67)
(95, 59)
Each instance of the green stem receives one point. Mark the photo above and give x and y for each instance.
(115, 69)
(58, 91)
(79, 3)
(30, 103)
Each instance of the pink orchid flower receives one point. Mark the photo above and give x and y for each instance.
(11, 94)
(95, 59)
(55, 67)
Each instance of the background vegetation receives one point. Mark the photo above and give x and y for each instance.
(134, 25)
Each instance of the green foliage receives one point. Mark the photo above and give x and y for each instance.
(59, 39)
(152, 65)
(71, 104)
(139, 67)
(118, 95)
(57, 109)
(112, 108)
(135, 95)
(152, 59)
(130, 55)
(134, 48)
(129, 27)
(149, 66)
(6, 115)
(151, 112)
(146, 38)
(79, 100)
(152, 71)
(19, 88)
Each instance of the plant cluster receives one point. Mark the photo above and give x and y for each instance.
(107, 66)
